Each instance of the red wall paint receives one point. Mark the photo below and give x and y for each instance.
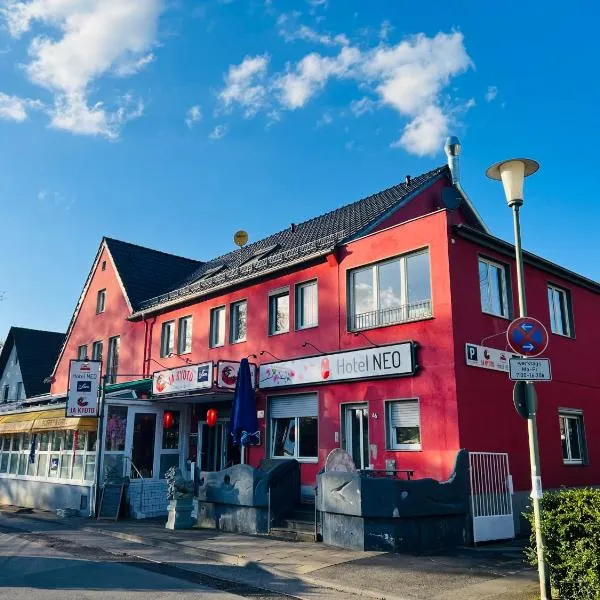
(90, 327)
(487, 418)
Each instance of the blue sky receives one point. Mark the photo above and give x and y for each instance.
(172, 124)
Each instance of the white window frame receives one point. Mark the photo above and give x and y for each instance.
(504, 292)
(112, 368)
(272, 312)
(391, 444)
(82, 352)
(95, 355)
(234, 338)
(167, 338)
(404, 307)
(216, 340)
(184, 331)
(564, 304)
(570, 415)
(100, 301)
(298, 308)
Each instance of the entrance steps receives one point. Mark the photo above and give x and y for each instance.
(297, 526)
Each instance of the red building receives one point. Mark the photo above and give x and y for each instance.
(398, 303)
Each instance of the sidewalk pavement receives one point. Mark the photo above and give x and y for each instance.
(307, 570)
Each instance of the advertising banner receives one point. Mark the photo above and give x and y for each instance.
(186, 378)
(84, 385)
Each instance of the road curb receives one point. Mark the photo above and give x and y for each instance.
(241, 560)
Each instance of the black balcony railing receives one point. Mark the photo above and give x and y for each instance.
(391, 316)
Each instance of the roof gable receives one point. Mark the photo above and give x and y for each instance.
(310, 238)
(37, 351)
(146, 273)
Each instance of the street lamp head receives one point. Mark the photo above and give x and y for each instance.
(512, 173)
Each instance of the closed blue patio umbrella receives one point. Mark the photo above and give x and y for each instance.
(243, 425)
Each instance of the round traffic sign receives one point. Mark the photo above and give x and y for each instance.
(527, 336)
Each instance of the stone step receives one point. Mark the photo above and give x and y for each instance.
(296, 524)
(292, 535)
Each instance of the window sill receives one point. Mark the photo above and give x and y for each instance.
(563, 335)
(575, 463)
(305, 327)
(300, 460)
(489, 314)
(184, 353)
(278, 333)
(406, 449)
(212, 346)
(237, 341)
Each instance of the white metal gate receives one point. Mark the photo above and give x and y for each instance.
(491, 496)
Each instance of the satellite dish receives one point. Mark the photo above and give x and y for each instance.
(240, 238)
(339, 460)
(451, 198)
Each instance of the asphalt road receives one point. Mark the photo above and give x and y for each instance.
(31, 570)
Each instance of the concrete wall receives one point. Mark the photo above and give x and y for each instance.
(46, 495)
(148, 498)
(11, 376)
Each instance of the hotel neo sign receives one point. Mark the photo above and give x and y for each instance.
(382, 361)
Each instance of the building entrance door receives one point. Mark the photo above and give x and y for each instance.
(142, 451)
(356, 433)
(217, 451)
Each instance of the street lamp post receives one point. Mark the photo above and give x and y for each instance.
(512, 173)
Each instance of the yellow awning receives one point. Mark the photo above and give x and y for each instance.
(45, 420)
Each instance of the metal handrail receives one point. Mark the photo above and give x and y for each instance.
(391, 316)
(142, 485)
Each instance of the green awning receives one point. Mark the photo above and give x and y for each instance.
(139, 385)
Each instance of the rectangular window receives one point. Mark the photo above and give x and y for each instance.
(97, 351)
(493, 288)
(561, 315)
(20, 394)
(279, 312)
(112, 367)
(307, 305)
(167, 338)
(403, 421)
(100, 301)
(217, 327)
(572, 437)
(294, 427)
(237, 326)
(184, 340)
(82, 352)
(390, 292)
(5, 393)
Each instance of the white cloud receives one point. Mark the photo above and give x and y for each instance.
(425, 133)
(362, 106)
(244, 84)
(491, 93)
(218, 132)
(89, 39)
(470, 103)
(385, 30)
(193, 116)
(326, 119)
(55, 199)
(409, 77)
(13, 108)
(290, 31)
(310, 75)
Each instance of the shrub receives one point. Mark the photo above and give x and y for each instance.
(571, 529)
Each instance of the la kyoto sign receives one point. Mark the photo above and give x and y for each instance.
(182, 379)
(382, 361)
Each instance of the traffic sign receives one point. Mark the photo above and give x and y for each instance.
(525, 399)
(530, 369)
(527, 336)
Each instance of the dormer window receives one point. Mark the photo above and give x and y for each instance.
(259, 254)
(211, 272)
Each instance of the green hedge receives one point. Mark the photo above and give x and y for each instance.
(571, 528)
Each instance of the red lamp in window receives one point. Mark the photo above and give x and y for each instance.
(168, 419)
(211, 417)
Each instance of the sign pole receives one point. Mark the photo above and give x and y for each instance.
(534, 453)
(99, 444)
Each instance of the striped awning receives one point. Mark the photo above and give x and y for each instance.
(45, 420)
